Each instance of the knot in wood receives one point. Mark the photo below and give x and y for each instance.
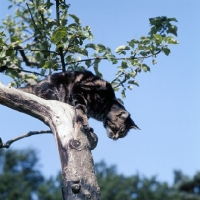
(75, 144)
(76, 188)
(88, 196)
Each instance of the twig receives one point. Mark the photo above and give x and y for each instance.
(105, 58)
(47, 51)
(125, 78)
(33, 19)
(27, 38)
(5, 67)
(24, 57)
(57, 13)
(117, 77)
(9, 142)
(60, 49)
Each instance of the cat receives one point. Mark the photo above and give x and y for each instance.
(91, 96)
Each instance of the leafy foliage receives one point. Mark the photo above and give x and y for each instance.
(116, 187)
(34, 42)
(21, 179)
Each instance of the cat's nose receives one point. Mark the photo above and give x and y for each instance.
(115, 136)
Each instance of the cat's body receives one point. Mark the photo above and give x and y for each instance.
(91, 97)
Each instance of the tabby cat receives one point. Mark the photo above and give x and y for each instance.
(91, 96)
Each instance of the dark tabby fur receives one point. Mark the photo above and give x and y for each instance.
(91, 97)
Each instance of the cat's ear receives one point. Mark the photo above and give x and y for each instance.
(133, 125)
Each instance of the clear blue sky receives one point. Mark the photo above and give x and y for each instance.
(166, 106)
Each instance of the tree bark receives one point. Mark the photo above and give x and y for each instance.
(74, 145)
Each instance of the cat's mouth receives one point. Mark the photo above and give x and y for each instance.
(111, 134)
(112, 131)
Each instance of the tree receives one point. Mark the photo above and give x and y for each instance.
(21, 178)
(116, 187)
(32, 49)
(22, 166)
(19, 174)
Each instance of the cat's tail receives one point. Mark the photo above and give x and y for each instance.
(28, 89)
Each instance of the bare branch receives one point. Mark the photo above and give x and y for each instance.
(137, 70)
(24, 57)
(105, 58)
(62, 57)
(27, 38)
(34, 21)
(4, 67)
(30, 133)
(117, 77)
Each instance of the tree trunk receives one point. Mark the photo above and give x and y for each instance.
(74, 145)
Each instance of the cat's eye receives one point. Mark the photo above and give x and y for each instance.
(120, 114)
(123, 115)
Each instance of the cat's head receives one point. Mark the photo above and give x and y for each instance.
(118, 121)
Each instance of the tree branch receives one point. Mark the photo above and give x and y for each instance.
(105, 58)
(24, 57)
(34, 21)
(125, 78)
(79, 180)
(5, 67)
(62, 57)
(30, 133)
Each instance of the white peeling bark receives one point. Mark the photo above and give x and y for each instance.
(74, 146)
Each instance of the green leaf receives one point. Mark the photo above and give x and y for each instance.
(2, 34)
(145, 68)
(158, 38)
(143, 53)
(122, 48)
(91, 45)
(171, 40)
(9, 52)
(131, 43)
(111, 58)
(96, 68)
(82, 51)
(145, 40)
(76, 19)
(59, 46)
(88, 63)
(172, 19)
(58, 34)
(30, 76)
(166, 51)
(69, 59)
(172, 29)
(124, 65)
(154, 61)
(153, 31)
(134, 82)
(47, 65)
(123, 93)
(15, 39)
(101, 48)
(130, 87)
(49, 4)
(155, 21)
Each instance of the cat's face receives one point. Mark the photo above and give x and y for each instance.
(118, 121)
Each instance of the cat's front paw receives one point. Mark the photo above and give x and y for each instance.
(85, 124)
(82, 119)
